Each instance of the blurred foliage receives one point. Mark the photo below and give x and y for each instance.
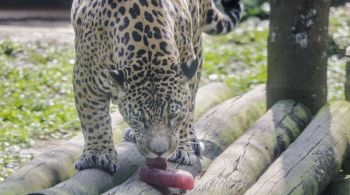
(256, 8)
(339, 30)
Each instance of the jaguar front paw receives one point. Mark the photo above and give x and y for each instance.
(92, 159)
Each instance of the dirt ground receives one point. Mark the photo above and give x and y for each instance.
(27, 26)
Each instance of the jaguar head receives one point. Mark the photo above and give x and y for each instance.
(155, 105)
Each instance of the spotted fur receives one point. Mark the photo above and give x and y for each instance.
(145, 56)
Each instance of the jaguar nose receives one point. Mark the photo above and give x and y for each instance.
(158, 145)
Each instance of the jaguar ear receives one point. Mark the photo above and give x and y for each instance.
(189, 70)
(117, 77)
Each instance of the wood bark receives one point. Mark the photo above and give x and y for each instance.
(210, 96)
(217, 129)
(316, 156)
(241, 164)
(297, 57)
(52, 167)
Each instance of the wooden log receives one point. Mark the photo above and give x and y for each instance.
(217, 129)
(309, 164)
(52, 167)
(241, 164)
(95, 181)
(210, 96)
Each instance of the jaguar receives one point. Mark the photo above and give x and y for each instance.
(145, 56)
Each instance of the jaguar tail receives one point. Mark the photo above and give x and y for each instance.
(222, 16)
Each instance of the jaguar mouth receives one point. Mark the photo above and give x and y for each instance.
(159, 163)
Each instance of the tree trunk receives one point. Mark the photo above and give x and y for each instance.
(240, 165)
(52, 167)
(310, 163)
(217, 129)
(347, 74)
(297, 57)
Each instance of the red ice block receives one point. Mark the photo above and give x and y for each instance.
(156, 172)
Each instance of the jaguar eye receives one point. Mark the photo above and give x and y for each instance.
(174, 119)
(136, 124)
(136, 120)
(173, 116)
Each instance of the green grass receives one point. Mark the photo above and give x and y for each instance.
(36, 99)
(238, 58)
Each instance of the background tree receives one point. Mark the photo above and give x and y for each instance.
(297, 57)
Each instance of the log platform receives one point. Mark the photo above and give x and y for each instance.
(248, 150)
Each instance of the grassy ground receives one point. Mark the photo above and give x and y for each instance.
(36, 93)
(238, 58)
(36, 98)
